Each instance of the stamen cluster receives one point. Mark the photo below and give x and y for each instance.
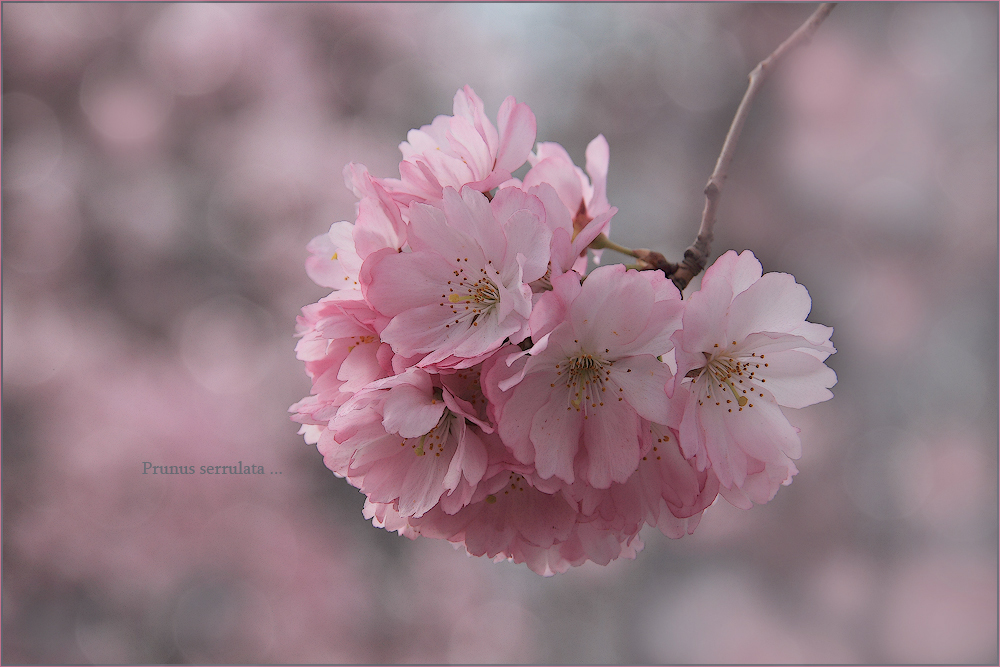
(478, 385)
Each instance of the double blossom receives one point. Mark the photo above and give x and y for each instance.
(479, 386)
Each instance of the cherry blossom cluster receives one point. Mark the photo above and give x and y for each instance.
(479, 386)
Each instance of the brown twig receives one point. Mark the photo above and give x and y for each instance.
(696, 256)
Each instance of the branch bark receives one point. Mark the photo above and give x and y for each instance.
(696, 255)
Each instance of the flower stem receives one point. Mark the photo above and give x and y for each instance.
(648, 259)
(602, 242)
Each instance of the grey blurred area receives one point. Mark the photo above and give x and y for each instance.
(164, 166)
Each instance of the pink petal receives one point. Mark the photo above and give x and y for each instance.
(529, 238)
(761, 487)
(411, 411)
(502, 370)
(422, 486)
(817, 334)
(561, 175)
(370, 445)
(552, 306)
(703, 321)
(374, 230)
(472, 225)
(483, 337)
(517, 127)
(424, 329)
(340, 325)
(675, 528)
(428, 138)
(773, 303)
(360, 367)
(797, 379)
(461, 407)
(736, 497)
(469, 460)
(728, 459)
(509, 201)
(367, 187)
(642, 381)
(762, 431)
(418, 177)
(333, 260)
(656, 338)
(471, 147)
(555, 435)
(396, 282)
(593, 229)
(613, 308)
(514, 424)
(610, 434)
(737, 271)
(453, 501)
(563, 255)
(549, 149)
(598, 156)
(468, 105)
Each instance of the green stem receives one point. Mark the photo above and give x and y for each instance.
(603, 242)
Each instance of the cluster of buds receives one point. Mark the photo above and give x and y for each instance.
(478, 385)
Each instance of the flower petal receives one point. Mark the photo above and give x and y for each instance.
(797, 379)
(559, 172)
(517, 127)
(422, 485)
(555, 435)
(773, 303)
(394, 282)
(515, 419)
(610, 435)
(737, 271)
(598, 156)
(613, 308)
(333, 261)
(469, 460)
(411, 411)
(642, 381)
(360, 367)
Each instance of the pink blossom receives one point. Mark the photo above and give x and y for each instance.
(509, 519)
(342, 353)
(666, 491)
(569, 244)
(574, 405)
(402, 440)
(478, 387)
(507, 516)
(335, 257)
(744, 350)
(585, 199)
(463, 290)
(333, 261)
(463, 149)
(380, 222)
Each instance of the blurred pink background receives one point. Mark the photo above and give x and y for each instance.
(164, 166)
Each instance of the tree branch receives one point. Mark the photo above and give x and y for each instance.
(696, 256)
